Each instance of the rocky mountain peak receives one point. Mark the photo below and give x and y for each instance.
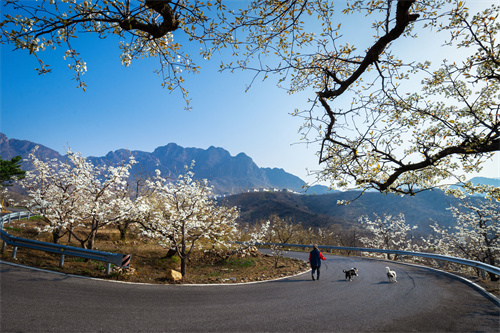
(228, 174)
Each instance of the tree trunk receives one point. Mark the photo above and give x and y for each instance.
(70, 233)
(92, 234)
(90, 242)
(183, 266)
(493, 276)
(56, 235)
(123, 232)
(170, 253)
(91, 239)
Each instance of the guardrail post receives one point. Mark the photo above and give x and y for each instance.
(14, 252)
(108, 268)
(61, 261)
(4, 246)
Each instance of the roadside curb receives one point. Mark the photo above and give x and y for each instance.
(148, 284)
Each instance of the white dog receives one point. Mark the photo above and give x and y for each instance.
(391, 274)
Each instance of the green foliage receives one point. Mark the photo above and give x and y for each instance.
(10, 170)
(175, 259)
(168, 261)
(12, 228)
(214, 274)
(236, 262)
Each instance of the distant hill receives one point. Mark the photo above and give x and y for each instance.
(480, 181)
(228, 174)
(257, 206)
(486, 181)
(14, 147)
(281, 179)
(421, 210)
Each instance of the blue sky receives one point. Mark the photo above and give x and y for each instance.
(127, 108)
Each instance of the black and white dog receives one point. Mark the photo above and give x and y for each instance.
(350, 273)
(391, 275)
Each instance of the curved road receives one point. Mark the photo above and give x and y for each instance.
(422, 300)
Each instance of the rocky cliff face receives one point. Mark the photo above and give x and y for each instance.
(228, 174)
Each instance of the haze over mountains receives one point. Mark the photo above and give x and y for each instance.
(238, 177)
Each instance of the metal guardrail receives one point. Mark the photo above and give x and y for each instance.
(120, 260)
(14, 216)
(472, 263)
(123, 260)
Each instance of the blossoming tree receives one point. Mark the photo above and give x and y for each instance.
(75, 193)
(388, 232)
(182, 216)
(276, 231)
(384, 118)
(476, 235)
(145, 30)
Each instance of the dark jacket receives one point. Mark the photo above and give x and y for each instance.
(315, 257)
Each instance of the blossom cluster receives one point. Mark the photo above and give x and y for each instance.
(74, 193)
(182, 213)
(388, 232)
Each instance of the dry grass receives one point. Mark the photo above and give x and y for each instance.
(149, 262)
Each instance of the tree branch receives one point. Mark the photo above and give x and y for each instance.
(170, 20)
(465, 148)
(403, 19)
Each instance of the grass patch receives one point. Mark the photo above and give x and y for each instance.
(9, 228)
(236, 262)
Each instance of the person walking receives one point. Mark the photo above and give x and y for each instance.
(315, 257)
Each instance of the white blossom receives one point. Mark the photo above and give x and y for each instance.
(181, 214)
(388, 232)
(75, 193)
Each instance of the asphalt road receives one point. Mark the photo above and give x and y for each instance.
(422, 300)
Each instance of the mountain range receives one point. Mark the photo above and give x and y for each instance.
(240, 179)
(227, 174)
